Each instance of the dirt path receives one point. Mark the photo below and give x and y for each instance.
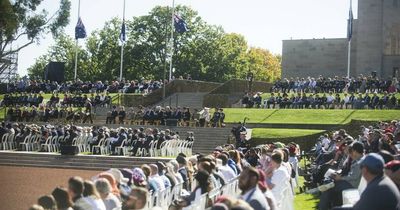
(20, 187)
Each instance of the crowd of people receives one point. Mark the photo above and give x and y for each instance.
(134, 139)
(266, 174)
(167, 116)
(265, 177)
(328, 100)
(141, 86)
(360, 84)
(56, 100)
(368, 162)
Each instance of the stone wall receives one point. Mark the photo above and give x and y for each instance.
(176, 86)
(375, 46)
(231, 92)
(314, 57)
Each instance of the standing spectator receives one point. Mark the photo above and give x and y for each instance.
(279, 179)
(114, 114)
(121, 115)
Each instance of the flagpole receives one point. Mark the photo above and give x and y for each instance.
(349, 45)
(348, 59)
(76, 43)
(172, 40)
(122, 46)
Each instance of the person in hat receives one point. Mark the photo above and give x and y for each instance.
(381, 193)
(204, 117)
(251, 193)
(393, 172)
(183, 171)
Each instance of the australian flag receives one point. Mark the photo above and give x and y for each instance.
(350, 25)
(122, 35)
(180, 24)
(80, 31)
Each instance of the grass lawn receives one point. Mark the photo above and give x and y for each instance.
(282, 133)
(255, 115)
(304, 201)
(373, 115)
(307, 116)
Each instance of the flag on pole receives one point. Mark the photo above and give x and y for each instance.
(180, 24)
(350, 25)
(122, 35)
(80, 31)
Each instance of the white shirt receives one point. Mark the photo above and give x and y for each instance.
(227, 172)
(280, 179)
(268, 194)
(95, 204)
(325, 143)
(330, 98)
(111, 202)
(158, 181)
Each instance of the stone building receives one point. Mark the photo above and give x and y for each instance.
(375, 46)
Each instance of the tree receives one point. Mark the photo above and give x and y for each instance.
(23, 21)
(63, 50)
(263, 64)
(205, 52)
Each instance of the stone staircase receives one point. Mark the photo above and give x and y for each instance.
(192, 100)
(88, 162)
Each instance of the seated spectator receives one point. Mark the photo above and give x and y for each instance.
(379, 188)
(62, 198)
(137, 199)
(248, 184)
(75, 190)
(227, 172)
(393, 172)
(204, 186)
(332, 197)
(47, 202)
(104, 188)
(92, 196)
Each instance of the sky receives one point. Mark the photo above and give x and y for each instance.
(264, 23)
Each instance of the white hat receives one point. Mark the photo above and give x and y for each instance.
(118, 176)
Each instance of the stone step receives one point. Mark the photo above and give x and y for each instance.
(79, 161)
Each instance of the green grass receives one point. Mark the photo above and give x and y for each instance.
(307, 116)
(374, 115)
(255, 115)
(304, 201)
(282, 133)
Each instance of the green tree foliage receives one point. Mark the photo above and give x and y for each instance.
(205, 52)
(23, 21)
